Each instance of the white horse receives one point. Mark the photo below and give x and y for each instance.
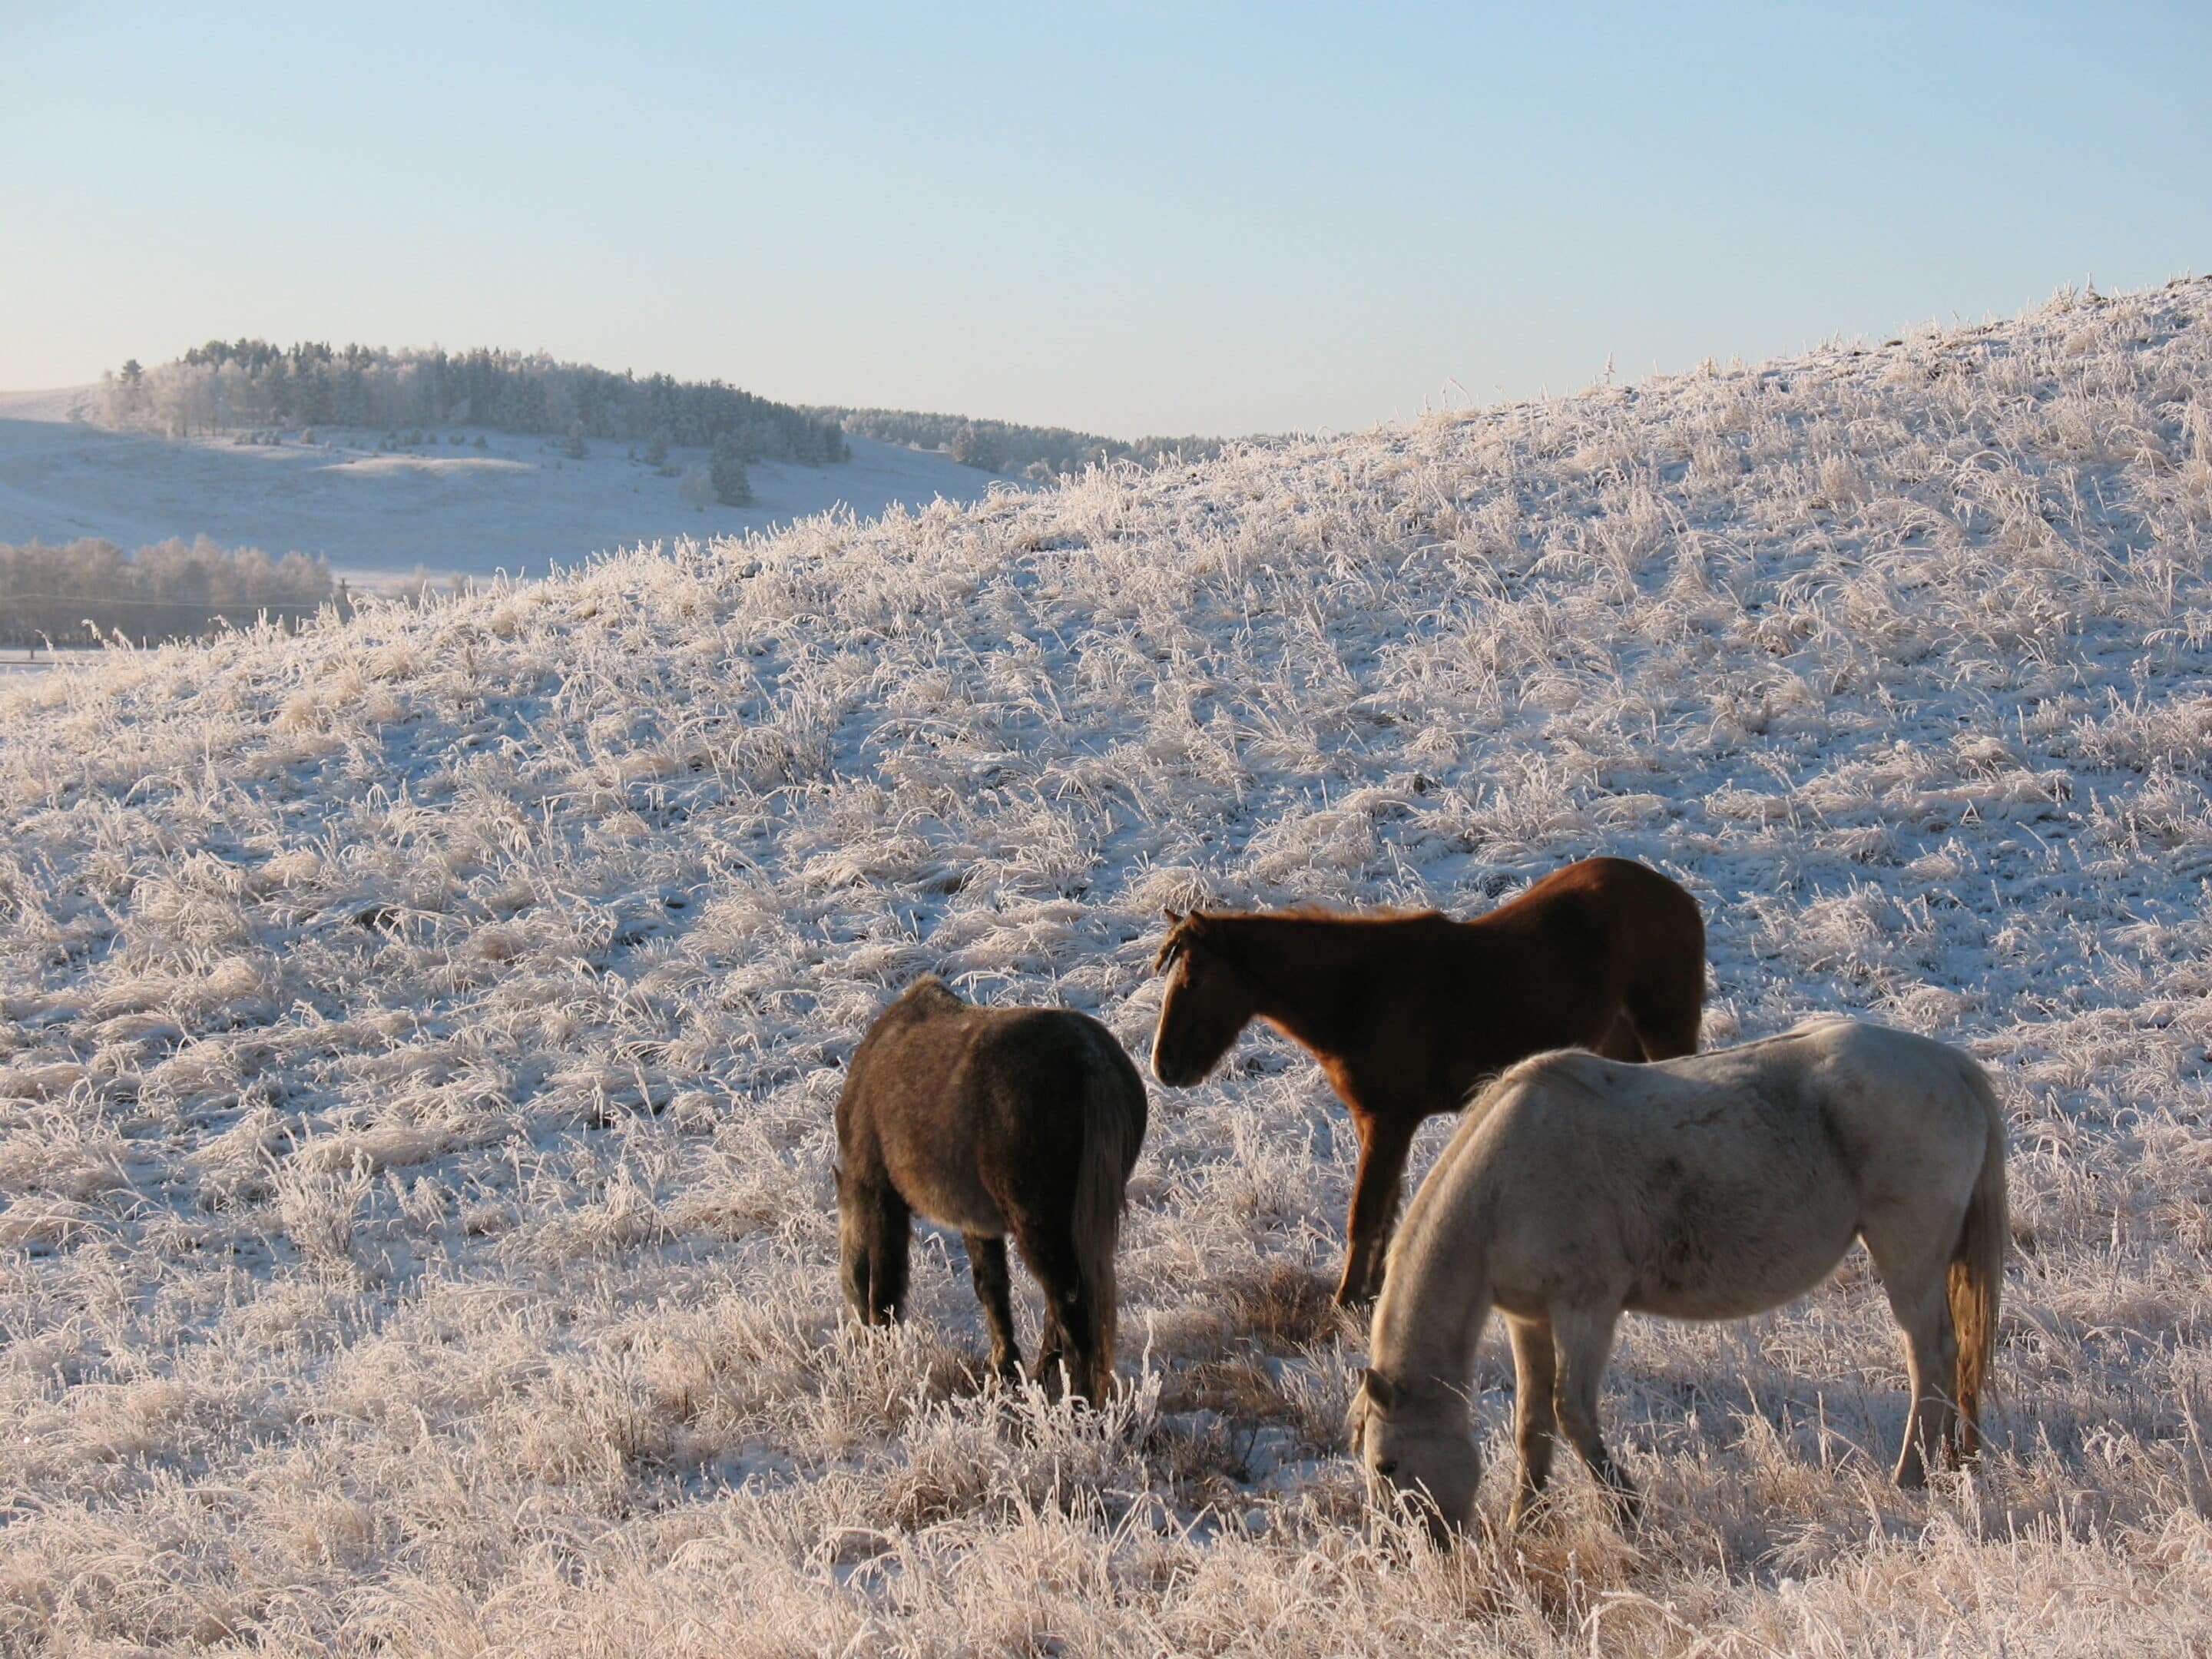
(1711, 1187)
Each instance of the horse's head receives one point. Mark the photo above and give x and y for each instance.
(1208, 1002)
(1418, 1451)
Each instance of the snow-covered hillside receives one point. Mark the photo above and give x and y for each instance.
(518, 504)
(421, 1035)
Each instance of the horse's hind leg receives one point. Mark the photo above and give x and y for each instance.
(1666, 1018)
(1583, 1338)
(1072, 1325)
(987, 1266)
(1536, 1376)
(874, 1227)
(1917, 1295)
(1621, 1043)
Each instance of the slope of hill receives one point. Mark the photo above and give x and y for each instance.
(518, 504)
(421, 1035)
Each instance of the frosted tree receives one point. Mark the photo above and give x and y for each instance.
(973, 447)
(725, 471)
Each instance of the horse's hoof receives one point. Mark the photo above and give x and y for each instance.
(1527, 1509)
(1051, 1376)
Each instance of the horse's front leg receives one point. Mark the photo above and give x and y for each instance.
(1582, 1340)
(1535, 1378)
(1383, 1144)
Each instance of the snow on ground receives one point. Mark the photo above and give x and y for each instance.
(517, 505)
(421, 1035)
(37, 660)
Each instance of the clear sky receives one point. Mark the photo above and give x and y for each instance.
(1125, 218)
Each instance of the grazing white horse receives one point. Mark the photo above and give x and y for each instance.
(1712, 1187)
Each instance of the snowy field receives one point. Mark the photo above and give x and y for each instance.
(517, 505)
(37, 660)
(420, 1037)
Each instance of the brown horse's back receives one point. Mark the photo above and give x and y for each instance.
(1601, 935)
(968, 1111)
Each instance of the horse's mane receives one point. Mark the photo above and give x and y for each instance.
(1214, 928)
(930, 988)
(1331, 912)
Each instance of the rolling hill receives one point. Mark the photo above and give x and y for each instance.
(418, 1036)
(518, 504)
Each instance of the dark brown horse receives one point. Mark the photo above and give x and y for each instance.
(995, 1121)
(1407, 1013)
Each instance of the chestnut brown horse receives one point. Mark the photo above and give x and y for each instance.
(1407, 1013)
(1021, 1122)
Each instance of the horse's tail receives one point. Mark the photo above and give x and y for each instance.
(1977, 1276)
(1114, 1115)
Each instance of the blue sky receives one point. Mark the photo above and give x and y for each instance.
(1187, 218)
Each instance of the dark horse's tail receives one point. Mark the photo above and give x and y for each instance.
(1977, 1278)
(1114, 1113)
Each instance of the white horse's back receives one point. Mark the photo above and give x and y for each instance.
(1720, 1184)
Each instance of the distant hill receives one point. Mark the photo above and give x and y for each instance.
(1040, 453)
(379, 502)
(391, 463)
(396, 466)
(225, 386)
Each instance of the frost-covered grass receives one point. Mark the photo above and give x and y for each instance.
(420, 1037)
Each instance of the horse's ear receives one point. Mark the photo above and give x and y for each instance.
(1172, 944)
(1380, 1394)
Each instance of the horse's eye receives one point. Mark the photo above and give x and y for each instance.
(1388, 1466)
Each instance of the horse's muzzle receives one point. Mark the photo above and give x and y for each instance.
(1176, 1073)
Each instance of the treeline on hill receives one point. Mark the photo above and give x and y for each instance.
(225, 385)
(1042, 453)
(84, 591)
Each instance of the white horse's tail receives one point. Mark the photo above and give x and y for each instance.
(1977, 1277)
(1114, 1114)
